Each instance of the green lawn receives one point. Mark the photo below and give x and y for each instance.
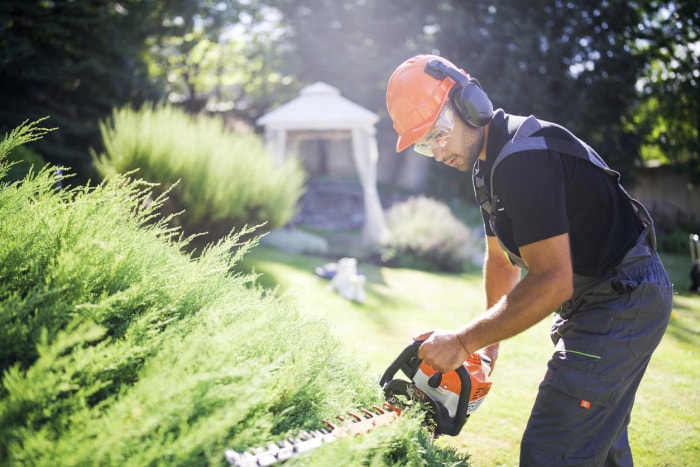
(401, 303)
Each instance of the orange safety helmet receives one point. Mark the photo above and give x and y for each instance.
(414, 98)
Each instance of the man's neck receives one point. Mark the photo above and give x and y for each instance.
(482, 154)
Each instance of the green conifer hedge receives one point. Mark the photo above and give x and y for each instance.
(116, 348)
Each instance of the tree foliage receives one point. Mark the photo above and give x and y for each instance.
(623, 75)
(669, 112)
(224, 53)
(76, 61)
(73, 61)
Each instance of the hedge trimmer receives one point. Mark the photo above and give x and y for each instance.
(450, 399)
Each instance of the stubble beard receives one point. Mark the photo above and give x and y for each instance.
(473, 142)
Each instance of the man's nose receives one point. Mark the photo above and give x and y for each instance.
(439, 153)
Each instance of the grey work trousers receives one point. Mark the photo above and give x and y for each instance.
(604, 337)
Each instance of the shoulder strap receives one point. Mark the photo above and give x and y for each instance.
(568, 144)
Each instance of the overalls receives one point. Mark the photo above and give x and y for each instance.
(604, 336)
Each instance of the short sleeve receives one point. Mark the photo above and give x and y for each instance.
(532, 191)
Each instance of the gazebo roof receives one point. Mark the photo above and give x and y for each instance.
(318, 107)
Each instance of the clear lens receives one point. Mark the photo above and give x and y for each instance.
(439, 134)
(430, 141)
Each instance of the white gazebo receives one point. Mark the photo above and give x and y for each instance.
(320, 112)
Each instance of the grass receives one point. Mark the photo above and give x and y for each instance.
(401, 303)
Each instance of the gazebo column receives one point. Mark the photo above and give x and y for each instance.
(276, 142)
(365, 154)
(293, 144)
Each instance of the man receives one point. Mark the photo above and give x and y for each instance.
(553, 208)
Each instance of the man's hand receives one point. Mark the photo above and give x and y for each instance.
(490, 352)
(442, 350)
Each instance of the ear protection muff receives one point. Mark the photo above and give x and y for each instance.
(468, 98)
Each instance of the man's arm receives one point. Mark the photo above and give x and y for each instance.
(500, 276)
(547, 284)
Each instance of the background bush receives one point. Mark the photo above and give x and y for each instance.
(118, 349)
(423, 233)
(676, 241)
(226, 180)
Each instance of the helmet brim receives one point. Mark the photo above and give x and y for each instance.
(410, 138)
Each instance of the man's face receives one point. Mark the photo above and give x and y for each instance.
(462, 148)
(451, 141)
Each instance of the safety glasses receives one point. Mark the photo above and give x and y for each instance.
(439, 134)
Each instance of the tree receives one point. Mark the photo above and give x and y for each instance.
(224, 54)
(74, 61)
(581, 62)
(668, 115)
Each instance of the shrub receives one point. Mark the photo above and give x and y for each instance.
(226, 180)
(118, 349)
(423, 233)
(677, 241)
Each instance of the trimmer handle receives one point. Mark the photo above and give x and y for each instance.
(408, 362)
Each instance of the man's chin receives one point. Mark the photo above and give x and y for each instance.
(458, 163)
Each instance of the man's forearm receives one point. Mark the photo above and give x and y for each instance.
(500, 276)
(548, 283)
(526, 302)
(514, 312)
(499, 279)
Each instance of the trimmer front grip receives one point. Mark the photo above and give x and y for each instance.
(407, 362)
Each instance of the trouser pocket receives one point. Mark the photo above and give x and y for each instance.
(575, 418)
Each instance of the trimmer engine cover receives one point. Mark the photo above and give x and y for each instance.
(452, 397)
